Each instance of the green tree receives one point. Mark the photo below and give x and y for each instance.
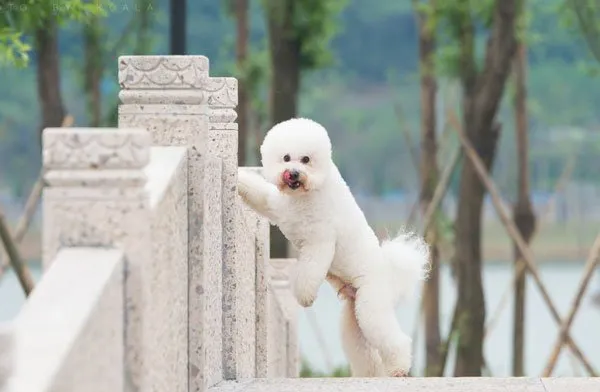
(585, 14)
(93, 68)
(100, 51)
(483, 77)
(22, 17)
(522, 210)
(41, 19)
(239, 10)
(429, 173)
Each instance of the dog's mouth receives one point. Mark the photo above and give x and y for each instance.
(292, 179)
(293, 184)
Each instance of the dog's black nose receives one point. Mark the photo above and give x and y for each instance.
(294, 175)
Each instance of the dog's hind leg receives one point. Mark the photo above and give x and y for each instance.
(377, 320)
(363, 358)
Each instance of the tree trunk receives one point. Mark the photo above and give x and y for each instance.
(93, 70)
(285, 62)
(241, 16)
(482, 92)
(522, 210)
(471, 304)
(48, 75)
(285, 82)
(178, 27)
(429, 177)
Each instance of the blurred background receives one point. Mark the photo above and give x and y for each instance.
(396, 82)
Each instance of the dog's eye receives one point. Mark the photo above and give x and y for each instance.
(305, 160)
(286, 158)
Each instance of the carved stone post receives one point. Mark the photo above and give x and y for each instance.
(95, 198)
(180, 104)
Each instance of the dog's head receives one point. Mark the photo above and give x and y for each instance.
(296, 156)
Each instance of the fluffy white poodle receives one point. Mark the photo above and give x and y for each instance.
(304, 194)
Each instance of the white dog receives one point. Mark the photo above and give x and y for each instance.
(304, 194)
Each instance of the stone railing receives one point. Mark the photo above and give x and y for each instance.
(159, 197)
(70, 332)
(181, 105)
(108, 188)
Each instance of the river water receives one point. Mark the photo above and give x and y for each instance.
(561, 279)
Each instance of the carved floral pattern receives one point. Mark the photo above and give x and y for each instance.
(223, 92)
(176, 72)
(162, 71)
(96, 148)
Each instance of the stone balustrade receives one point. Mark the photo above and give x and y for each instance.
(69, 335)
(181, 105)
(110, 188)
(160, 191)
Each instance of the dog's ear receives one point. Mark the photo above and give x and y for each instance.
(264, 148)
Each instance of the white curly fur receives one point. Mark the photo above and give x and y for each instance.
(334, 241)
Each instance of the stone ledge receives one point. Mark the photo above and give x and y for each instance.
(413, 384)
(69, 333)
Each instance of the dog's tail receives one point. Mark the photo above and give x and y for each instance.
(408, 257)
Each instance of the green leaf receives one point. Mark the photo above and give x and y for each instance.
(22, 18)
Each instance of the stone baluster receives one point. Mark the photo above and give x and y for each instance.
(279, 291)
(180, 104)
(239, 273)
(95, 197)
(260, 251)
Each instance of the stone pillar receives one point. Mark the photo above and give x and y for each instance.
(180, 104)
(95, 197)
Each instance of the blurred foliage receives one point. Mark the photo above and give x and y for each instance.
(373, 66)
(306, 371)
(19, 17)
(13, 51)
(314, 27)
(585, 14)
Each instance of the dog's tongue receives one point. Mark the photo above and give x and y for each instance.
(287, 176)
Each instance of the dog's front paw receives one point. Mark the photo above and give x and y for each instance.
(306, 302)
(304, 297)
(244, 181)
